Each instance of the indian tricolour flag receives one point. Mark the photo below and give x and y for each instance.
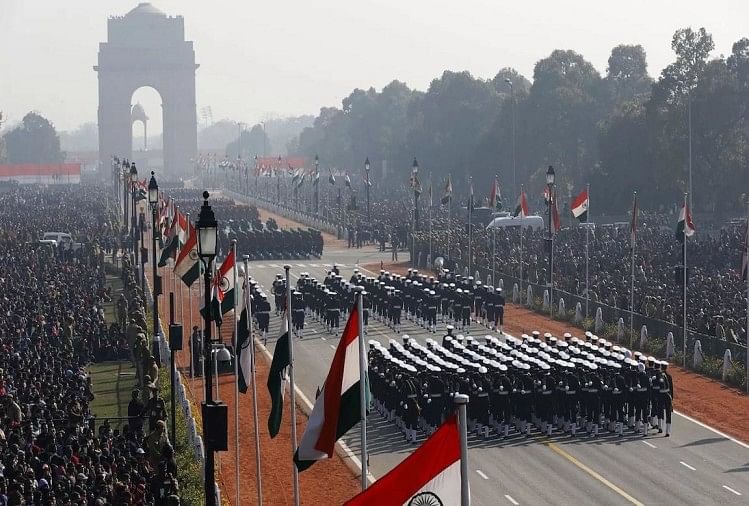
(244, 343)
(429, 476)
(684, 226)
(579, 206)
(227, 290)
(521, 209)
(337, 408)
(188, 264)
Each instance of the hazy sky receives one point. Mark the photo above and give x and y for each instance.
(278, 58)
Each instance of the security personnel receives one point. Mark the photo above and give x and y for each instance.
(297, 312)
(279, 289)
(499, 311)
(395, 309)
(263, 316)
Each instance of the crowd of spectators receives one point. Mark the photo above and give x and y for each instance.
(716, 296)
(52, 300)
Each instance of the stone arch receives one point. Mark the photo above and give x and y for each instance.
(145, 47)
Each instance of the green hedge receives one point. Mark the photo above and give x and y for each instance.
(189, 471)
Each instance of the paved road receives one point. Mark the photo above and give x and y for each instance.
(695, 466)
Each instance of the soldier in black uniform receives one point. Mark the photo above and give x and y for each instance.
(499, 311)
(332, 312)
(262, 314)
(297, 312)
(279, 290)
(666, 393)
(395, 308)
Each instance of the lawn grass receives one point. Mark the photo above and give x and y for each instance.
(113, 383)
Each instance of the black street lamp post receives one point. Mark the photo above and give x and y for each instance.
(366, 186)
(207, 229)
(125, 175)
(153, 201)
(133, 215)
(550, 187)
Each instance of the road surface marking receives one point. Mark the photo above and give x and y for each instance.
(312, 330)
(323, 338)
(716, 431)
(594, 474)
(314, 265)
(481, 473)
(649, 444)
(331, 346)
(275, 266)
(731, 490)
(300, 265)
(687, 465)
(513, 501)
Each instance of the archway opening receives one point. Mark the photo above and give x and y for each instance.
(147, 126)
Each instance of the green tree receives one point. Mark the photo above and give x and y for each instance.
(627, 75)
(254, 142)
(33, 141)
(562, 114)
(669, 109)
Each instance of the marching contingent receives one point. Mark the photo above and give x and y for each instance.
(572, 384)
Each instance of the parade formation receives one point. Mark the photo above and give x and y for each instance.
(488, 289)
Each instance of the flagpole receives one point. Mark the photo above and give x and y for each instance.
(494, 232)
(632, 271)
(174, 276)
(521, 243)
(292, 392)
(449, 220)
(362, 385)
(746, 252)
(251, 348)
(587, 234)
(236, 373)
(470, 228)
(431, 260)
(189, 309)
(686, 224)
(461, 400)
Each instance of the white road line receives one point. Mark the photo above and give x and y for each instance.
(323, 338)
(649, 444)
(275, 266)
(481, 473)
(331, 346)
(731, 490)
(687, 465)
(314, 265)
(300, 265)
(513, 501)
(716, 431)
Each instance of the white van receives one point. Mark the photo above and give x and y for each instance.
(533, 222)
(62, 238)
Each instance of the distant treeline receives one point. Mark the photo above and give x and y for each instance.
(620, 132)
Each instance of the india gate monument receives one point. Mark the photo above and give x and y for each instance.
(145, 47)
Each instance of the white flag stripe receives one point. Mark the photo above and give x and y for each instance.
(446, 486)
